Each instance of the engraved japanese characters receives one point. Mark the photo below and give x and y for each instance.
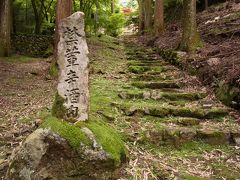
(73, 65)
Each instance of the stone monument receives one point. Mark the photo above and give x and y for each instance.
(62, 150)
(73, 68)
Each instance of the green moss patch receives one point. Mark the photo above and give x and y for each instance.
(53, 70)
(164, 95)
(71, 133)
(168, 110)
(156, 85)
(58, 109)
(160, 77)
(150, 69)
(110, 140)
(146, 63)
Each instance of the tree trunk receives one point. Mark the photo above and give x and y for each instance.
(206, 4)
(5, 27)
(148, 13)
(141, 17)
(37, 16)
(64, 9)
(112, 6)
(190, 38)
(96, 18)
(158, 17)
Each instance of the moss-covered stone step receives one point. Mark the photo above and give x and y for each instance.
(155, 63)
(148, 77)
(156, 85)
(142, 54)
(143, 58)
(158, 95)
(143, 69)
(175, 135)
(165, 111)
(183, 121)
(139, 50)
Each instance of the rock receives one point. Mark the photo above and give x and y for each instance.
(213, 62)
(237, 140)
(72, 101)
(169, 135)
(236, 137)
(47, 155)
(146, 95)
(181, 54)
(213, 136)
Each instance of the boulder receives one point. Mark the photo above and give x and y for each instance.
(46, 154)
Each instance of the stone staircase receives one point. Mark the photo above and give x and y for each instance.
(171, 107)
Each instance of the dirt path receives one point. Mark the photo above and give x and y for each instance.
(24, 93)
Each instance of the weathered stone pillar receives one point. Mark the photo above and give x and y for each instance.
(72, 100)
(59, 149)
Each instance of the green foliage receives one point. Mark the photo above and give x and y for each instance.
(48, 28)
(113, 24)
(24, 17)
(133, 19)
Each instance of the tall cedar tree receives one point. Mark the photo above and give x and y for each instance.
(191, 38)
(5, 27)
(38, 16)
(148, 13)
(141, 16)
(158, 17)
(64, 9)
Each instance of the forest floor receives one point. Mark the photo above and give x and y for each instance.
(172, 125)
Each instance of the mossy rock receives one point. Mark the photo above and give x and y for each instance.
(163, 135)
(147, 77)
(143, 69)
(105, 136)
(147, 63)
(181, 121)
(69, 152)
(156, 85)
(170, 56)
(214, 136)
(229, 95)
(162, 95)
(138, 69)
(185, 96)
(160, 111)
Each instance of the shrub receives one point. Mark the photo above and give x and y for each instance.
(113, 25)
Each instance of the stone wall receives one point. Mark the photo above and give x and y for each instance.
(32, 45)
